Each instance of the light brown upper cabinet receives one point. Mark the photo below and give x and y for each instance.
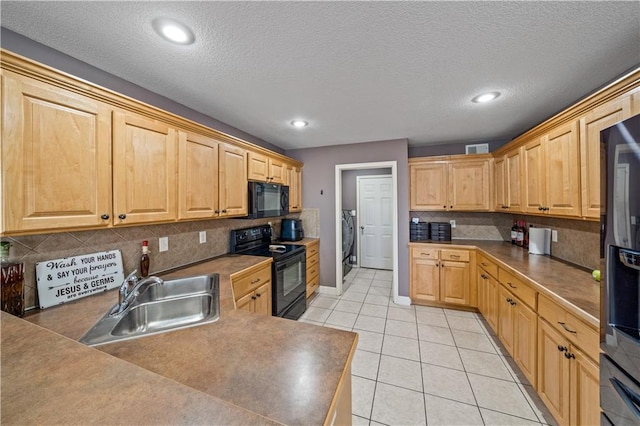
(552, 174)
(197, 176)
(144, 169)
(450, 183)
(56, 158)
(590, 126)
(507, 170)
(293, 178)
(203, 181)
(233, 181)
(265, 168)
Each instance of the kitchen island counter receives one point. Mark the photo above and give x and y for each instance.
(260, 369)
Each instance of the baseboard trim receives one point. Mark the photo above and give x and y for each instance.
(323, 289)
(402, 300)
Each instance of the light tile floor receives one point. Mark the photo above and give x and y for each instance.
(418, 365)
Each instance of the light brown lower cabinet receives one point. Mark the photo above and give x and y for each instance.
(252, 289)
(488, 298)
(568, 380)
(517, 330)
(442, 276)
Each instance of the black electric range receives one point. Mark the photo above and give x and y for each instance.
(288, 270)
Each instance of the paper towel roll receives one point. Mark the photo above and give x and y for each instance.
(539, 240)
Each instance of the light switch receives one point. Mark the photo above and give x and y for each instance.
(163, 243)
(554, 236)
(203, 237)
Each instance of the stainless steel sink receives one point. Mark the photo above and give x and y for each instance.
(178, 287)
(176, 304)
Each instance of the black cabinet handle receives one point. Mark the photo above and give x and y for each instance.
(511, 285)
(512, 303)
(569, 355)
(217, 211)
(567, 328)
(562, 348)
(444, 207)
(484, 277)
(541, 208)
(104, 216)
(122, 216)
(224, 211)
(258, 295)
(450, 207)
(253, 297)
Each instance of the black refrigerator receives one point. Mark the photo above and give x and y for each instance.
(620, 272)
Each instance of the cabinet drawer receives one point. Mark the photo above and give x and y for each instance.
(313, 271)
(313, 260)
(571, 327)
(313, 249)
(455, 255)
(424, 253)
(313, 284)
(488, 265)
(248, 283)
(518, 287)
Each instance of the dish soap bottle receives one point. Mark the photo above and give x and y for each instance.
(145, 260)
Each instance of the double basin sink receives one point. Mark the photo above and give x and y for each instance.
(160, 307)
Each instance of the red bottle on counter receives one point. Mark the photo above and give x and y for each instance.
(145, 260)
(520, 235)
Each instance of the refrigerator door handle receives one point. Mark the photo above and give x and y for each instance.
(630, 398)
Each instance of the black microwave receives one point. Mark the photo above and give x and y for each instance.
(268, 200)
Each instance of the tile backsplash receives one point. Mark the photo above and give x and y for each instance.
(184, 245)
(578, 240)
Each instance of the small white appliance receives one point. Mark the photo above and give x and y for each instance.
(539, 240)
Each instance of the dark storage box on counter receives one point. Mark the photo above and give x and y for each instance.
(419, 231)
(440, 231)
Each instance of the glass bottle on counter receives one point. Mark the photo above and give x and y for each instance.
(514, 232)
(145, 260)
(520, 234)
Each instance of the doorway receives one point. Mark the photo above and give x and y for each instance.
(339, 168)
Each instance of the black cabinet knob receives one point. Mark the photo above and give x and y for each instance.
(258, 295)
(122, 216)
(562, 348)
(217, 211)
(224, 211)
(569, 355)
(104, 216)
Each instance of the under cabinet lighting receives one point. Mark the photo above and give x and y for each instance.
(173, 31)
(485, 97)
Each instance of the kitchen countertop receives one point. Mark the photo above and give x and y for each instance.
(569, 285)
(257, 368)
(303, 242)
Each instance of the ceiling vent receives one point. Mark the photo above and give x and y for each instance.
(479, 148)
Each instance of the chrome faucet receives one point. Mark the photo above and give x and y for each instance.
(130, 289)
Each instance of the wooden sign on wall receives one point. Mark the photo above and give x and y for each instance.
(70, 278)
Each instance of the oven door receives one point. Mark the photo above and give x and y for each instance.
(289, 281)
(619, 394)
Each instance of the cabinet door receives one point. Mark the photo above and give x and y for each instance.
(425, 279)
(562, 165)
(276, 171)
(294, 181)
(585, 387)
(233, 180)
(197, 176)
(492, 302)
(482, 278)
(144, 169)
(263, 299)
(525, 341)
(590, 126)
(500, 184)
(455, 282)
(469, 185)
(428, 185)
(514, 180)
(56, 158)
(506, 319)
(534, 177)
(246, 303)
(553, 372)
(258, 167)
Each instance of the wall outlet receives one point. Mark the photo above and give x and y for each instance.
(203, 237)
(163, 243)
(554, 236)
(453, 223)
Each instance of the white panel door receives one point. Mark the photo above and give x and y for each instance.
(376, 221)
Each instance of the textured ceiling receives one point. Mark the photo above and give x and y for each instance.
(357, 71)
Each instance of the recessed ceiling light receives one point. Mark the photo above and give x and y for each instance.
(173, 31)
(299, 123)
(485, 97)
